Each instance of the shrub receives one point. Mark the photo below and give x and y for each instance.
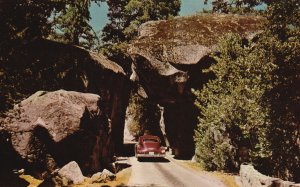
(234, 114)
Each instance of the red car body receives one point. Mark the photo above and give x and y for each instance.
(149, 146)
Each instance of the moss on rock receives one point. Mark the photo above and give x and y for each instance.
(166, 39)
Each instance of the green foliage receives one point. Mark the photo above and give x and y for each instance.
(127, 15)
(284, 101)
(20, 20)
(25, 18)
(142, 11)
(145, 116)
(233, 114)
(71, 25)
(254, 100)
(284, 18)
(136, 111)
(118, 53)
(113, 31)
(234, 6)
(282, 14)
(65, 20)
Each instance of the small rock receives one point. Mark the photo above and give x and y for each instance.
(108, 175)
(72, 173)
(19, 172)
(96, 178)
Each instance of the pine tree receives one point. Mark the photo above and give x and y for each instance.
(71, 25)
(113, 31)
(127, 15)
(234, 6)
(233, 113)
(26, 19)
(259, 110)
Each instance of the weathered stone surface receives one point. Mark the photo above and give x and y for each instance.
(72, 173)
(101, 177)
(252, 178)
(50, 129)
(172, 49)
(47, 65)
(96, 178)
(185, 40)
(168, 58)
(108, 175)
(166, 51)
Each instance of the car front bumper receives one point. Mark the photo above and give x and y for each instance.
(145, 155)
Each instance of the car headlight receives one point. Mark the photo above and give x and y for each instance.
(163, 151)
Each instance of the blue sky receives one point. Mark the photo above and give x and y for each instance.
(99, 18)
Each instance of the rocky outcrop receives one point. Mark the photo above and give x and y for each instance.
(50, 129)
(252, 178)
(186, 40)
(47, 65)
(168, 58)
(166, 52)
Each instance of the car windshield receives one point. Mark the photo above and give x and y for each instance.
(150, 140)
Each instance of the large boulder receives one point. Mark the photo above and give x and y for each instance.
(42, 64)
(250, 177)
(185, 40)
(166, 52)
(168, 58)
(49, 129)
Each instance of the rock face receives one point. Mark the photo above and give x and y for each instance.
(50, 129)
(186, 40)
(47, 65)
(168, 58)
(252, 178)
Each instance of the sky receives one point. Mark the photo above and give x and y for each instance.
(99, 18)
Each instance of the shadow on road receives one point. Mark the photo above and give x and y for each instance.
(153, 160)
(121, 166)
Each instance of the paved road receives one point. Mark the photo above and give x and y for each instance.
(166, 173)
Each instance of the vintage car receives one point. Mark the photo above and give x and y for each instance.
(149, 146)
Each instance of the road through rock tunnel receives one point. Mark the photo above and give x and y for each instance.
(172, 117)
